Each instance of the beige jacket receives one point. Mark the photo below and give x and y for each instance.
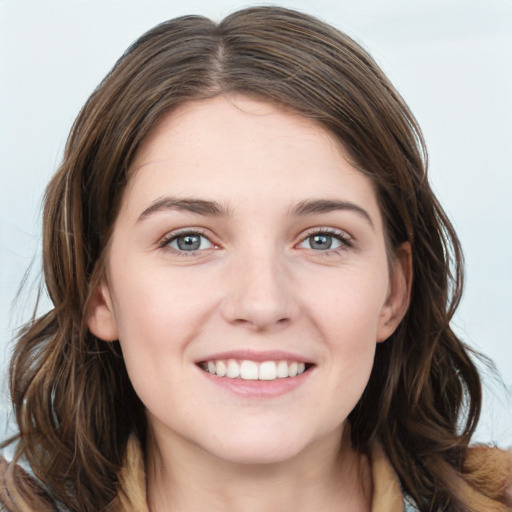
(489, 487)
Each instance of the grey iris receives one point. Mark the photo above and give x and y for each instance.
(321, 242)
(188, 242)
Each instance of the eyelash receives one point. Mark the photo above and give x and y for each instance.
(347, 242)
(344, 238)
(164, 244)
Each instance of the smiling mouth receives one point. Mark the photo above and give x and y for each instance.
(252, 370)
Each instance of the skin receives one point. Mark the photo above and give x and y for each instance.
(256, 283)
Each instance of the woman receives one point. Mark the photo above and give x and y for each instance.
(252, 286)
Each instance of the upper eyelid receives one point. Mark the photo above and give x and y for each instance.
(327, 230)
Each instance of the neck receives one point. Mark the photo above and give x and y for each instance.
(327, 476)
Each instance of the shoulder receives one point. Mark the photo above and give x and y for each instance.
(485, 481)
(20, 491)
(488, 473)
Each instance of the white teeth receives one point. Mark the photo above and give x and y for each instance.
(222, 369)
(251, 370)
(268, 371)
(292, 369)
(233, 369)
(282, 369)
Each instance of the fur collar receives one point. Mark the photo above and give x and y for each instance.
(387, 494)
(487, 481)
(487, 484)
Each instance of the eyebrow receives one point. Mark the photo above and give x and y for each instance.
(313, 206)
(192, 205)
(214, 209)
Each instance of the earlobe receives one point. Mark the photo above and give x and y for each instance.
(397, 300)
(100, 314)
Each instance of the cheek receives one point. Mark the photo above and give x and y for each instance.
(347, 314)
(158, 314)
(157, 303)
(349, 303)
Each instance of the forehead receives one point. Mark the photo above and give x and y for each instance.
(237, 150)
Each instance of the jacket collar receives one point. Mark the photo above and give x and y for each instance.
(387, 494)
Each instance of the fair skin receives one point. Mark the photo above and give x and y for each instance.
(246, 240)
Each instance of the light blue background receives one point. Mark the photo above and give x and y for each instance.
(450, 59)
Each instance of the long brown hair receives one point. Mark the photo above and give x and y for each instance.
(74, 403)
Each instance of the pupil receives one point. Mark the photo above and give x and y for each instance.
(189, 242)
(321, 242)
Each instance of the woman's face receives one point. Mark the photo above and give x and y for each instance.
(246, 243)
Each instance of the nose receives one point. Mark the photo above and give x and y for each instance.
(259, 293)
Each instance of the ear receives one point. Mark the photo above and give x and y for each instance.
(399, 292)
(100, 314)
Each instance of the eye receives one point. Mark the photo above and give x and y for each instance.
(188, 242)
(325, 241)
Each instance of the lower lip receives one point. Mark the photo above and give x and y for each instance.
(259, 388)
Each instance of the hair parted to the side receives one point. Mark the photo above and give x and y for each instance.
(74, 403)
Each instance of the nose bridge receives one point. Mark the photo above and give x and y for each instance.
(259, 291)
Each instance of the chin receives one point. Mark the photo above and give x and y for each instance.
(258, 454)
(264, 446)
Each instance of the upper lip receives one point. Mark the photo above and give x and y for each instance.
(257, 356)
